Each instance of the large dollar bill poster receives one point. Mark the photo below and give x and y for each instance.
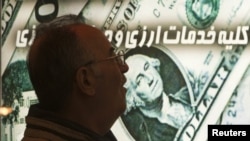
(189, 62)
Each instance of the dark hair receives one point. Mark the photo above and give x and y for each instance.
(52, 61)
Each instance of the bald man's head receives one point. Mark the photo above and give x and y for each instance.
(55, 55)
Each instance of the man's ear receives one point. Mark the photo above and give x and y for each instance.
(85, 81)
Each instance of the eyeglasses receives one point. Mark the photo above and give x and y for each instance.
(119, 58)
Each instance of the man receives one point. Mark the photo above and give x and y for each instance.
(78, 80)
(151, 113)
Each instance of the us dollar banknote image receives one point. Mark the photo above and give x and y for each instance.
(169, 97)
(134, 14)
(174, 88)
(10, 9)
(237, 109)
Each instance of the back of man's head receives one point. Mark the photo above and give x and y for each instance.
(52, 61)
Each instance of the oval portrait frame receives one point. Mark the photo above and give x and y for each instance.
(163, 54)
(197, 22)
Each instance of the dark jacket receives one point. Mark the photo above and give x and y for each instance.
(43, 125)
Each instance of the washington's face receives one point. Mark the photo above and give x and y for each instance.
(146, 78)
